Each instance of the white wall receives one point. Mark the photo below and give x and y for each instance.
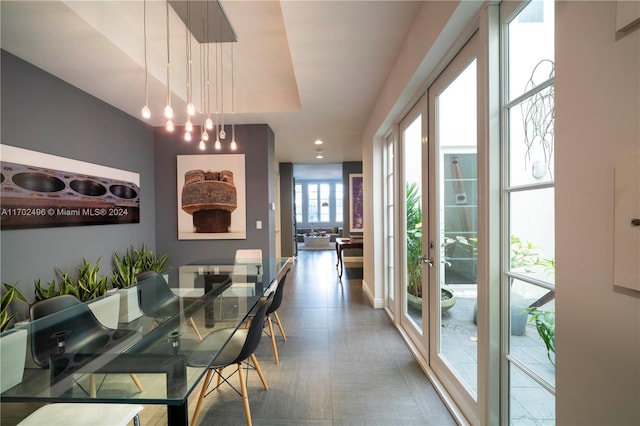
(597, 120)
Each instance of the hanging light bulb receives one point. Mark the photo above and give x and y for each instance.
(168, 112)
(205, 135)
(233, 145)
(191, 109)
(187, 136)
(202, 145)
(223, 134)
(188, 126)
(217, 145)
(146, 112)
(170, 126)
(209, 123)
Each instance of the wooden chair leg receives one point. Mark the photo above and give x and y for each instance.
(245, 395)
(136, 381)
(219, 376)
(284, 336)
(93, 390)
(273, 340)
(256, 365)
(195, 328)
(205, 386)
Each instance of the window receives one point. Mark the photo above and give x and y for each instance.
(528, 193)
(319, 203)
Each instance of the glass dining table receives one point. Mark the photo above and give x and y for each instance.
(144, 358)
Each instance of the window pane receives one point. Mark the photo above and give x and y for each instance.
(531, 52)
(312, 204)
(298, 191)
(532, 234)
(324, 202)
(531, 139)
(339, 203)
(532, 327)
(531, 404)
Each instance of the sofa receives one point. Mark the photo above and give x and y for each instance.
(333, 233)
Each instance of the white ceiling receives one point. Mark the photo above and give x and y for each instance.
(309, 69)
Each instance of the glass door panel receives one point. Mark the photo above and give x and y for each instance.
(412, 135)
(453, 137)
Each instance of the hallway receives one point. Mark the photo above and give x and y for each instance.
(343, 362)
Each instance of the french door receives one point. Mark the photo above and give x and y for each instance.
(413, 193)
(451, 248)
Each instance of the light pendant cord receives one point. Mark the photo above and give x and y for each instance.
(233, 108)
(146, 112)
(168, 110)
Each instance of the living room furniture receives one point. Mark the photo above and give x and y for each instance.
(316, 240)
(344, 244)
(333, 233)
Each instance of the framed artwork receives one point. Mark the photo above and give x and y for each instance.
(355, 205)
(211, 197)
(39, 190)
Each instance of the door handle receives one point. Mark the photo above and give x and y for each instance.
(427, 260)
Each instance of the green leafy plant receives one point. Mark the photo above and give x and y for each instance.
(88, 285)
(414, 239)
(545, 321)
(11, 294)
(125, 269)
(134, 261)
(149, 261)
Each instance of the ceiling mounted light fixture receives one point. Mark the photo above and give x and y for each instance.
(319, 155)
(318, 142)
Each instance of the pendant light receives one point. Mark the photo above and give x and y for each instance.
(168, 111)
(233, 144)
(191, 109)
(146, 112)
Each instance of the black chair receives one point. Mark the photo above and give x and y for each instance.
(155, 297)
(273, 311)
(73, 329)
(240, 348)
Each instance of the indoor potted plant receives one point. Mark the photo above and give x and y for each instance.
(126, 269)
(88, 284)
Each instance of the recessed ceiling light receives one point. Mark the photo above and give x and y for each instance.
(319, 156)
(318, 142)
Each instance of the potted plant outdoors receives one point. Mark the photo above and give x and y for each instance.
(414, 253)
(126, 268)
(525, 258)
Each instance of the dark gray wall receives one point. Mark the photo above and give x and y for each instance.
(348, 168)
(286, 207)
(256, 142)
(43, 113)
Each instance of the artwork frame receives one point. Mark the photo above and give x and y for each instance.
(356, 216)
(40, 190)
(189, 218)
